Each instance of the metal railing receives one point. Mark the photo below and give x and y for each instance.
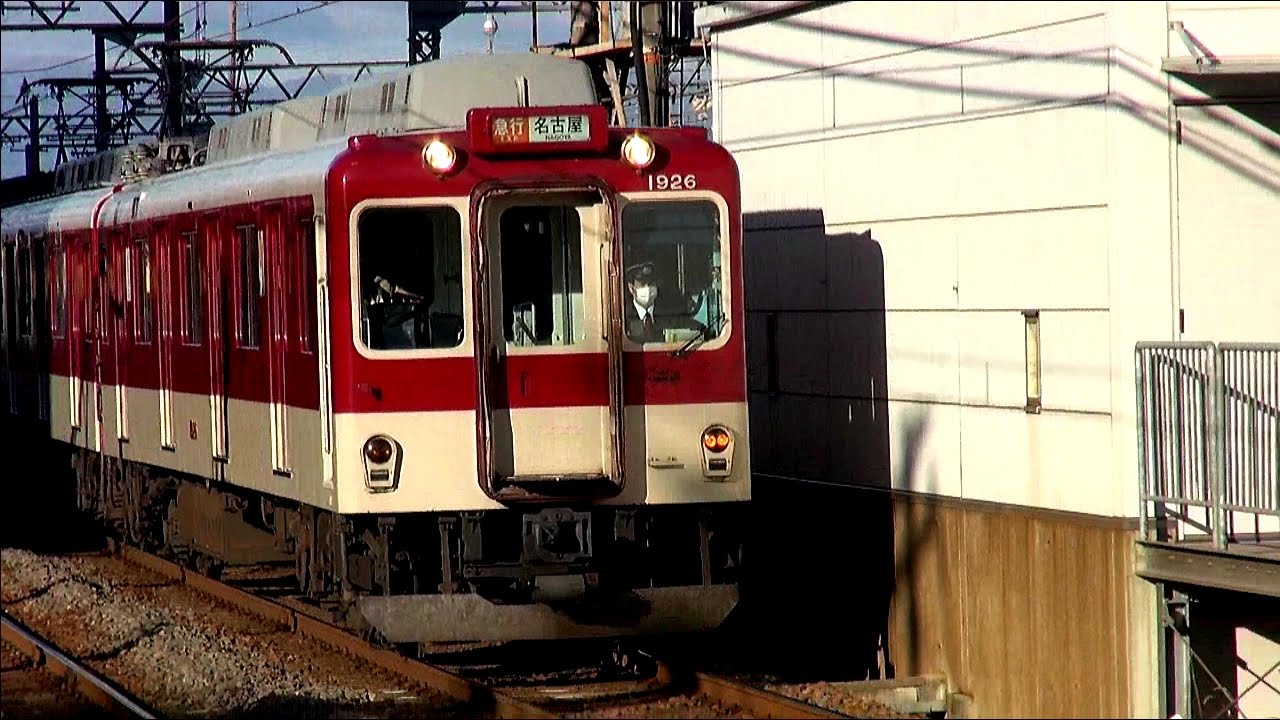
(1208, 439)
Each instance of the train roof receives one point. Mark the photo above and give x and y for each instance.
(294, 172)
(40, 215)
(427, 96)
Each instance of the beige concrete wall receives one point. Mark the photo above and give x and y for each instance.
(915, 176)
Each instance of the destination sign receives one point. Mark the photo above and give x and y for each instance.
(540, 129)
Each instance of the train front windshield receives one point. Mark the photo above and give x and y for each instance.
(410, 260)
(673, 278)
(410, 276)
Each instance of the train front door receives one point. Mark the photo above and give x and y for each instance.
(551, 372)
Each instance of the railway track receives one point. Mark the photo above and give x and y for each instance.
(37, 684)
(478, 699)
(659, 689)
(668, 689)
(684, 694)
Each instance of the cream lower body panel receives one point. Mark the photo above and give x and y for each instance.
(551, 441)
(132, 430)
(664, 455)
(73, 411)
(438, 470)
(438, 456)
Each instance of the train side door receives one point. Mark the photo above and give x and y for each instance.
(10, 332)
(162, 281)
(143, 354)
(75, 329)
(277, 340)
(91, 328)
(552, 390)
(116, 310)
(219, 311)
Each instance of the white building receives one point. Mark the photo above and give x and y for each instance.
(928, 184)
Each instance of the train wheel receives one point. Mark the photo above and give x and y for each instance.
(207, 565)
(302, 569)
(367, 632)
(304, 553)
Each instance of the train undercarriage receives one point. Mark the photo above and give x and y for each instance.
(434, 579)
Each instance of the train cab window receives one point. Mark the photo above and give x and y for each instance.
(249, 286)
(673, 280)
(192, 307)
(142, 307)
(541, 255)
(410, 278)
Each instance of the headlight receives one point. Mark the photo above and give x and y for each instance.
(638, 151)
(438, 156)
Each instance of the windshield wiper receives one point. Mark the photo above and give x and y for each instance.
(698, 339)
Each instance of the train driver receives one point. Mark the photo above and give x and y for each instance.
(642, 298)
(387, 291)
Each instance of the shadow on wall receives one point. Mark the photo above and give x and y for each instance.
(821, 567)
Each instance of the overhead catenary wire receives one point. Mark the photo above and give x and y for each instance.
(297, 12)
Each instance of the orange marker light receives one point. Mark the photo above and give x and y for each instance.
(715, 439)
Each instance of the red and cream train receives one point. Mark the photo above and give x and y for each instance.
(390, 335)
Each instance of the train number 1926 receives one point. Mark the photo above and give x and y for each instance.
(673, 182)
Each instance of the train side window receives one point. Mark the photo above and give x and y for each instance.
(24, 288)
(306, 279)
(672, 271)
(142, 307)
(10, 305)
(192, 303)
(80, 310)
(58, 291)
(410, 278)
(248, 286)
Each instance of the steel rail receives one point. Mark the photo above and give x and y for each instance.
(87, 681)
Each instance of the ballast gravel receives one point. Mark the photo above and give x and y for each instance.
(682, 706)
(837, 698)
(188, 655)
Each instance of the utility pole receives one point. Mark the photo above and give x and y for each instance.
(33, 143)
(101, 120)
(174, 89)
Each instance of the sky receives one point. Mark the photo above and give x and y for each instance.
(311, 31)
